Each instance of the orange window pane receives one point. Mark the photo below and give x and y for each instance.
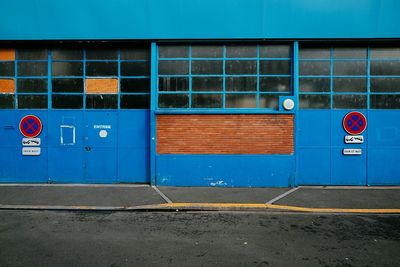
(7, 86)
(7, 54)
(101, 86)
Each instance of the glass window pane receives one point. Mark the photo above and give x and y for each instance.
(32, 54)
(349, 101)
(385, 101)
(32, 101)
(137, 52)
(207, 51)
(350, 52)
(7, 69)
(240, 101)
(101, 101)
(206, 100)
(135, 68)
(241, 84)
(6, 101)
(32, 68)
(314, 67)
(314, 53)
(315, 101)
(241, 67)
(385, 84)
(32, 85)
(241, 51)
(67, 101)
(274, 67)
(101, 68)
(275, 51)
(67, 69)
(135, 101)
(275, 84)
(349, 85)
(173, 100)
(385, 52)
(385, 67)
(314, 85)
(67, 85)
(67, 54)
(350, 68)
(173, 67)
(173, 51)
(173, 84)
(102, 53)
(137, 85)
(207, 84)
(206, 67)
(269, 100)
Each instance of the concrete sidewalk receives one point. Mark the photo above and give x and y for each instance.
(145, 197)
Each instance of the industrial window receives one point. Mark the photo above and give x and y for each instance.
(223, 76)
(349, 77)
(75, 78)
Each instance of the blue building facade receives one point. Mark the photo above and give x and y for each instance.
(200, 93)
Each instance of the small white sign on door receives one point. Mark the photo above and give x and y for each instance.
(352, 151)
(31, 141)
(354, 139)
(31, 151)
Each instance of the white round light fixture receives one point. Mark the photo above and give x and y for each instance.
(288, 104)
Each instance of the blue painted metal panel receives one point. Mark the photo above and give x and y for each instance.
(314, 166)
(198, 19)
(225, 170)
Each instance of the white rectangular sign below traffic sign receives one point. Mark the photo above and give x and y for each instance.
(31, 141)
(352, 151)
(354, 139)
(31, 151)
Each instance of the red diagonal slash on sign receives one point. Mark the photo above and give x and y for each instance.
(30, 126)
(354, 123)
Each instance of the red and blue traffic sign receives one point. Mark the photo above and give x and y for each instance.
(354, 122)
(30, 126)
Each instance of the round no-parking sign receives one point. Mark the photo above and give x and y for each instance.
(30, 126)
(354, 122)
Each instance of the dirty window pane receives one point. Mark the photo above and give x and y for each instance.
(385, 52)
(314, 67)
(275, 67)
(385, 67)
(67, 101)
(101, 101)
(32, 54)
(135, 101)
(136, 53)
(349, 101)
(241, 84)
(32, 101)
(275, 84)
(350, 68)
(67, 85)
(173, 67)
(385, 101)
(269, 100)
(173, 100)
(67, 54)
(207, 84)
(240, 101)
(101, 68)
(135, 68)
(241, 67)
(137, 85)
(275, 51)
(349, 85)
(173, 84)
(315, 101)
(98, 53)
(32, 68)
(241, 51)
(314, 84)
(385, 84)
(67, 69)
(314, 53)
(206, 67)
(6, 101)
(349, 52)
(173, 51)
(207, 51)
(206, 100)
(32, 85)
(7, 69)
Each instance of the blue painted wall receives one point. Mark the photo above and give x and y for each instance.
(198, 19)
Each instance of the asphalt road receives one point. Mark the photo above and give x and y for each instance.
(44, 238)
